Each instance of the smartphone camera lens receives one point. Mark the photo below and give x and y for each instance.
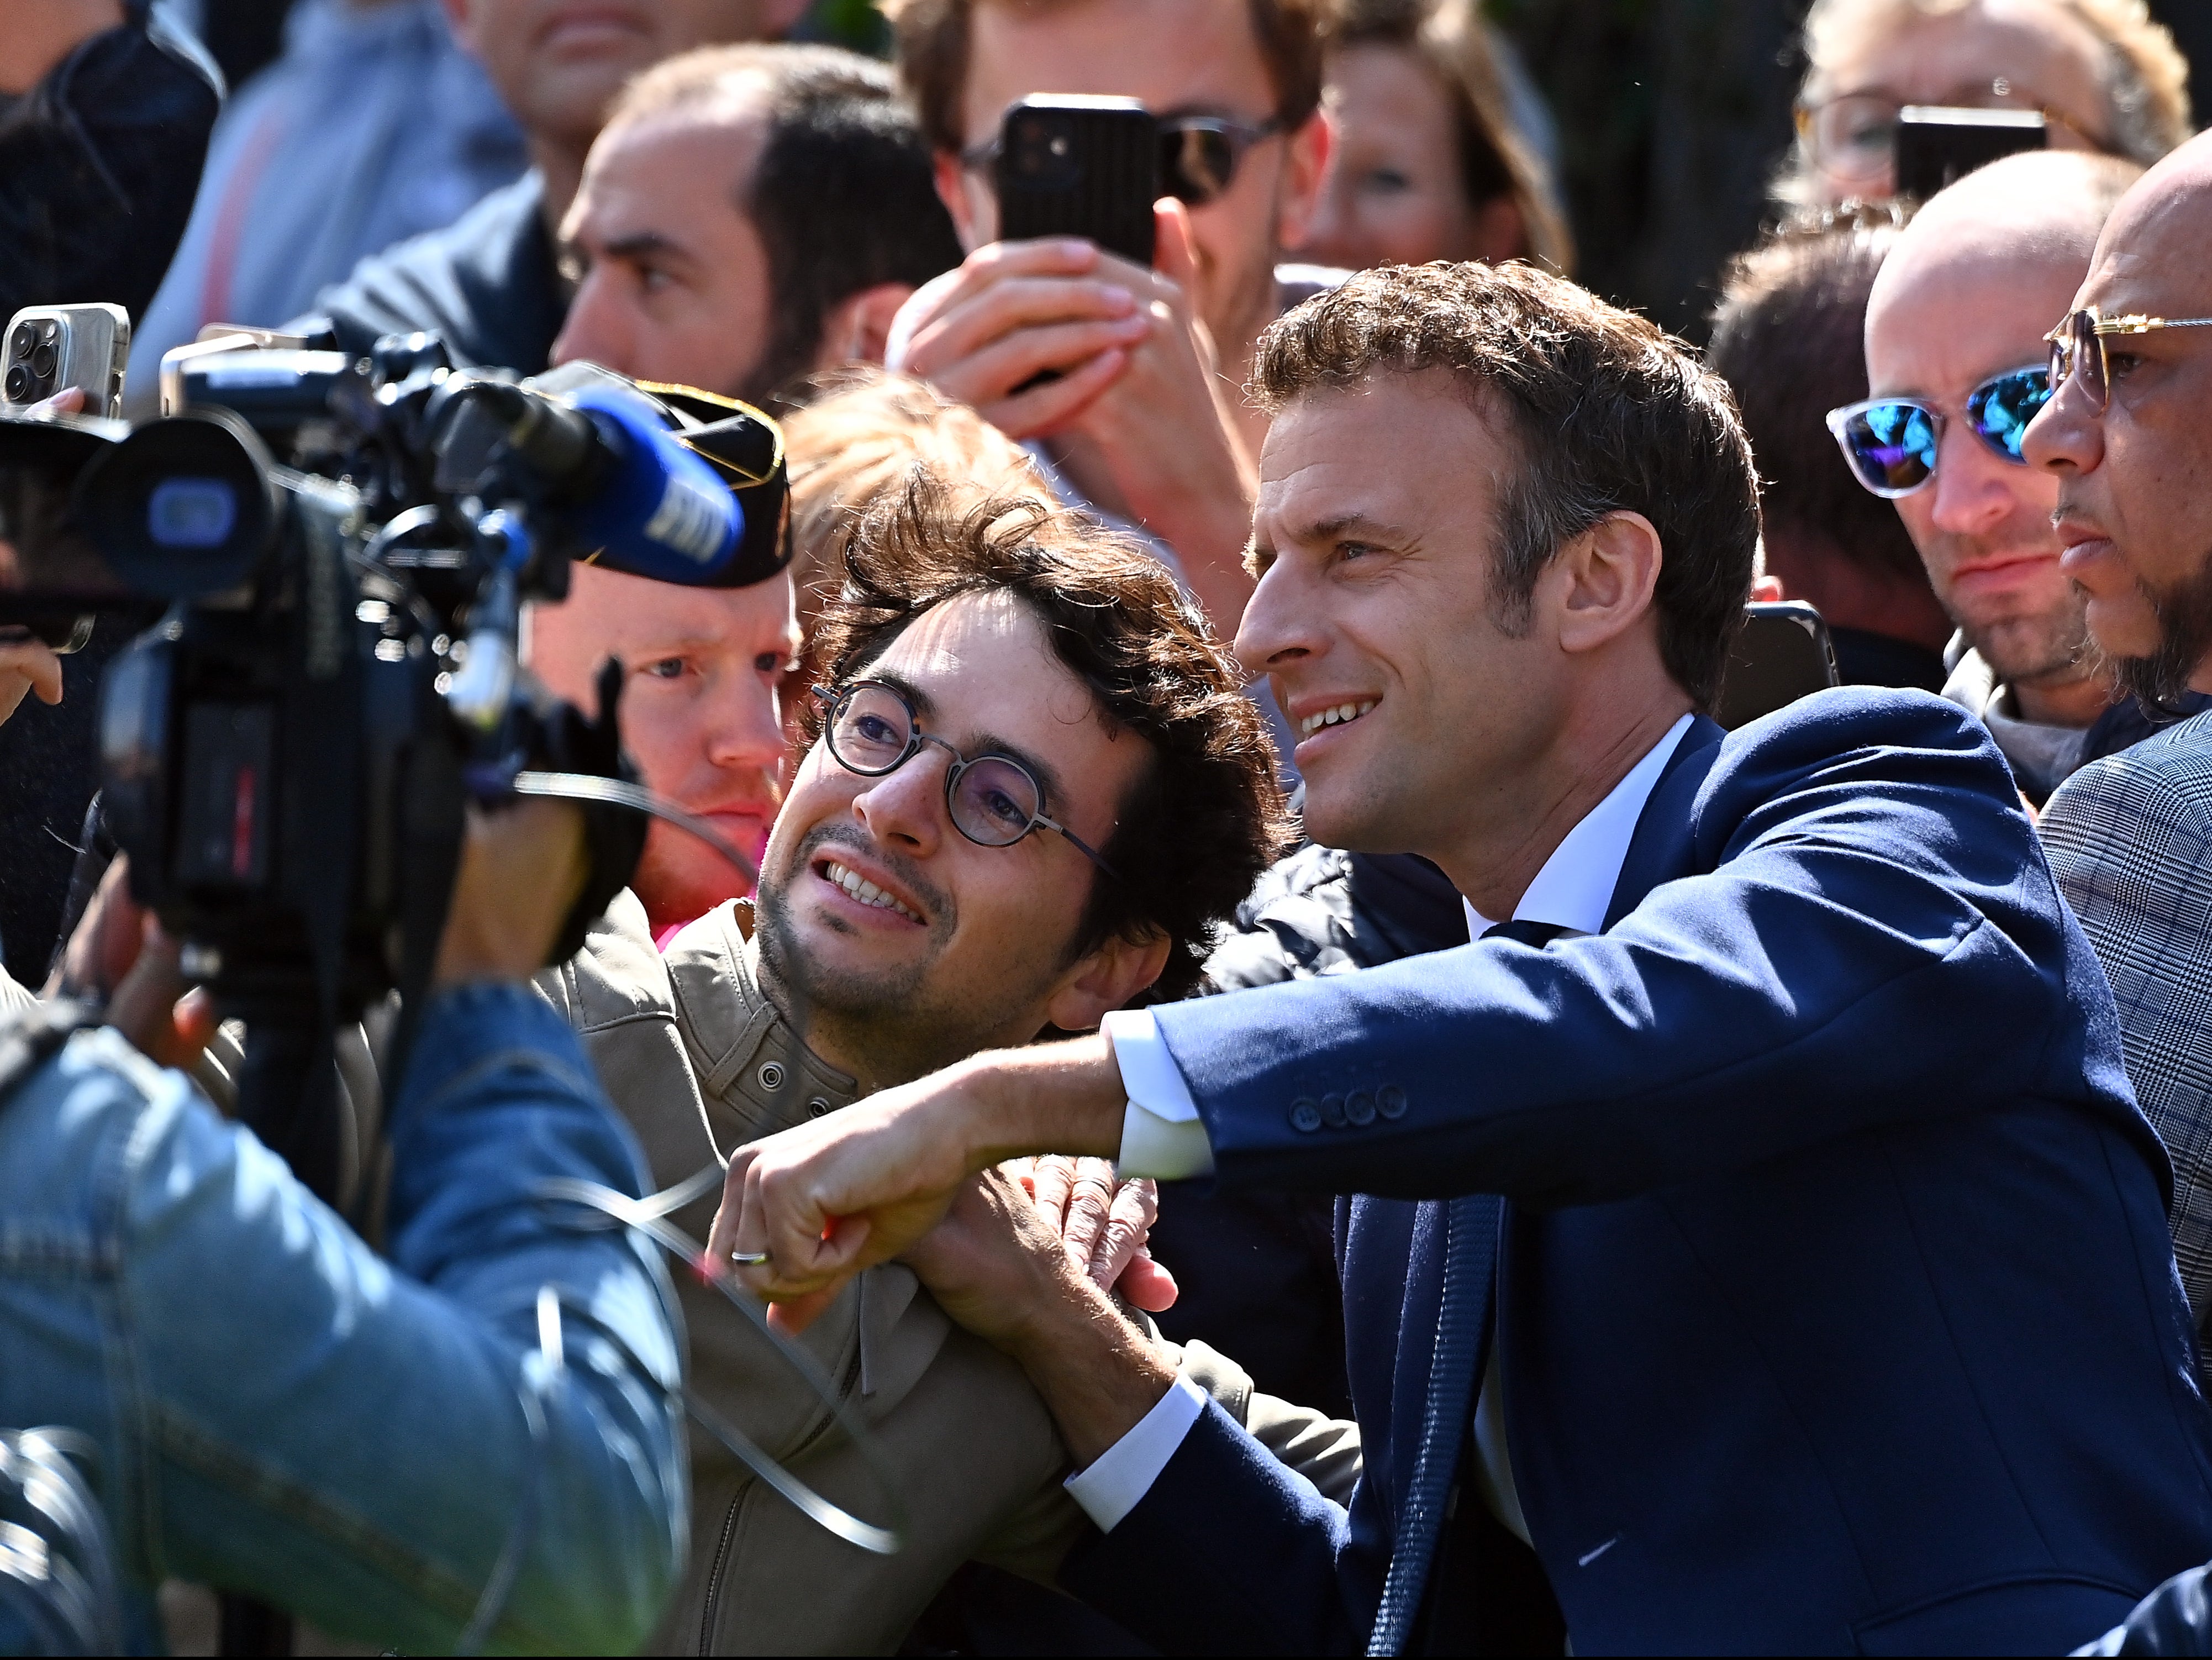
(43, 360)
(24, 338)
(1044, 152)
(20, 384)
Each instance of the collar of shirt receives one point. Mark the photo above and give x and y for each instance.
(1575, 888)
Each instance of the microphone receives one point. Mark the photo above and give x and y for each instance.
(623, 482)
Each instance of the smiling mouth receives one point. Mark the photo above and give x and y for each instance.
(1342, 715)
(859, 887)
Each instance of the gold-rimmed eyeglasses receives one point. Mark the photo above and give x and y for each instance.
(2077, 346)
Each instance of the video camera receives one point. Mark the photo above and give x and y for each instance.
(334, 554)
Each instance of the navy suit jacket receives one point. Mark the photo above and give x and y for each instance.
(1837, 1307)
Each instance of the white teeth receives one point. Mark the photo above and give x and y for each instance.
(867, 892)
(1334, 717)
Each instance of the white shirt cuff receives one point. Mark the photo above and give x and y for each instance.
(1151, 1146)
(1124, 1472)
(1162, 1134)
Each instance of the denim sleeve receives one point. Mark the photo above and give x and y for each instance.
(373, 1443)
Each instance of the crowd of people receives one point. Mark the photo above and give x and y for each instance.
(1283, 1083)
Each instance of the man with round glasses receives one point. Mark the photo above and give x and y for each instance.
(1957, 367)
(1034, 790)
(1125, 376)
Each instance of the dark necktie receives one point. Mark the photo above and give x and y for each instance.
(1454, 1368)
(1470, 1262)
(1538, 934)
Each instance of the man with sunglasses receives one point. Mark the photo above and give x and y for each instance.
(1141, 416)
(1035, 790)
(1957, 365)
(2126, 438)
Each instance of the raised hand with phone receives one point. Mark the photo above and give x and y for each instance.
(1114, 288)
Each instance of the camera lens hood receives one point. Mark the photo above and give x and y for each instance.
(186, 506)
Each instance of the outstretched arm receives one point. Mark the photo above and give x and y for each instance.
(813, 1205)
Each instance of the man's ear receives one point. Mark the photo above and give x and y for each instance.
(1603, 581)
(1305, 163)
(855, 330)
(952, 185)
(1106, 980)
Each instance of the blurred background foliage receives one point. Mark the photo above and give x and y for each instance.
(1672, 114)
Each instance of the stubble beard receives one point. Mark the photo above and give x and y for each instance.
(2185, 640)
(886, 1021)
(2050, 650)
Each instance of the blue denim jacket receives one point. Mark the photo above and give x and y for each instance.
(370, 1443)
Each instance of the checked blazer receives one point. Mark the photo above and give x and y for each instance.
(2130, 839)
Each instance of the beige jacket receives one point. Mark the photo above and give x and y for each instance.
(697, 1060)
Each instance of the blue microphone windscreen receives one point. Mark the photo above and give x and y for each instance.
(660, 511)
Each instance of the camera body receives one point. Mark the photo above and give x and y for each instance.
(340, 551)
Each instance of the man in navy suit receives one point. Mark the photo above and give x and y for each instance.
(1758, 1248)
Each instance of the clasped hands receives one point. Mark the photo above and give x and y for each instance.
(806, 1210)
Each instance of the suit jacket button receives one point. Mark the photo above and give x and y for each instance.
(1359, 1109)
(1332, 1111)
(1390, 1101)
(1305, 1115)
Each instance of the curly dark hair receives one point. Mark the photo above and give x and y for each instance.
(1609, 415)
(1207, 816)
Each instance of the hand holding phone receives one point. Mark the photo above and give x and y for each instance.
(52, 349)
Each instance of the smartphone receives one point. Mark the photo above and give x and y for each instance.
(1781, 653)
(1937, 145)
(1075, 165)
(51, 347)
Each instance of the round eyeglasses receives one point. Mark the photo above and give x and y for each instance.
(1892, 442)
(993, 799)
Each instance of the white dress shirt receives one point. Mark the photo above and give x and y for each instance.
(1163, 1137)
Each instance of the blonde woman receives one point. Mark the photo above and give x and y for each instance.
(1431, 161)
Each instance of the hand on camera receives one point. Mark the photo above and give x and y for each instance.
(1103, 1224)
(522, 866)
(119, 956)
(1138, 397)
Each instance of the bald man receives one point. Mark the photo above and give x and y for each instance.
(1955, 324)
(2127, 438)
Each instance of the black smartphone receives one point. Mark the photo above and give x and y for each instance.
(1782, 654)
(1938, 145)
(1075, 165)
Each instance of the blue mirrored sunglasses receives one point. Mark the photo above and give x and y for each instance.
(1892, 442)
